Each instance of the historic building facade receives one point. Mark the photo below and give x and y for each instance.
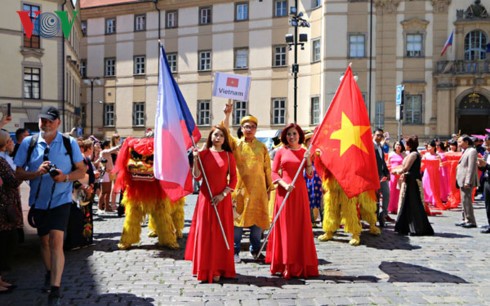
(42, 69)
(389, 42)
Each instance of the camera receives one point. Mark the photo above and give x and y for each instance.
(52, 170)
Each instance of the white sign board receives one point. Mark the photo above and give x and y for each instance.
(399, 93)
(231, 86)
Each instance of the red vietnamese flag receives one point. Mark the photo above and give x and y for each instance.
(232, 82)
(345, 140)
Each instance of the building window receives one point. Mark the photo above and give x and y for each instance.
(204, 112)
(32, 83)
(475, 43)
(241, 58)
(204, 61)
(279, 56)
(171, 19)
(139, 64)
(316, 50)
(172, 62)
(83, 26)
(356, 45)
(139, 114)
(83, 68)
(239, 111)
(280, 8)
(316, 3)
(278, 111)
(414, 45)
(110, 25)
(110, 67)
(109, 114)
(315, 110)
(241, 11)
(379, 117)
(139, 23)
(205, 15)
(412, 110)
(34, 41)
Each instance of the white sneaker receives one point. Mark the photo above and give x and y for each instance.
(237, 258)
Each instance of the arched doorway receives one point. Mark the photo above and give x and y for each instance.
(474, 114)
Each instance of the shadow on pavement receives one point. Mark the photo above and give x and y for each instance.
(388, 240)
(408, 273)
(451, 235)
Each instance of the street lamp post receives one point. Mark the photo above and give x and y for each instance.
(296, 21)
(91, 81)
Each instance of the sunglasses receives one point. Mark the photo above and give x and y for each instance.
(46, 154)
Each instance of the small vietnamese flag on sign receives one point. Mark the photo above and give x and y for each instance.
(232, 82)
(345, 141)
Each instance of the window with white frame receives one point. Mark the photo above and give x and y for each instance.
(279, 56)
(204, 61)
(475, 43)
(139, 23)
(241, 11)
(280, 8)
(171, 19)
(316, 50)
(414, 45)
(172, 61)
(110, 25)
(109, 114)
(379, 116)
(356, 45)
(205, 15)
(139, 64)
(110, 67)
(139, 114)
(83, 68)
(278, 111)
(316, 3)
(204, 112)
(240, 109)
(412, 109)
(241, 58)
(32, 83)
(315, 110)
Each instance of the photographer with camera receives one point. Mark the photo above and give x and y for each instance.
(50, 165)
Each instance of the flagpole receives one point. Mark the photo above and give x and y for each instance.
(211, 196)
(281, 207)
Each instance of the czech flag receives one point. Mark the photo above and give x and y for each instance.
(449, 42)
(174, 127)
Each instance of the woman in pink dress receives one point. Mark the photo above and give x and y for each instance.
(441, 151)
(206, 247)
(395, 160)
(431, 180)
(291, 248)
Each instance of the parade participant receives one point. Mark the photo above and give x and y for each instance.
(484, 164)
(291, 249)
(253, 186)
(205, 245)
(51, 170)
(411, 218)
(383, 174)
(314, 185)
(467, 179)
(432, 180)
(395, 159)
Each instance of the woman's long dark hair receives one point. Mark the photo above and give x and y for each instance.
(226, 144)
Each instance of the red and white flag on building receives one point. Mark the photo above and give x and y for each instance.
(449, 42)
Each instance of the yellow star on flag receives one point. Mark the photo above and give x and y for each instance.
(350, 135)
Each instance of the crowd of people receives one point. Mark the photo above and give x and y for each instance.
(240, 184)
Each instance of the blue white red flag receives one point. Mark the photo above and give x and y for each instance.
(174, 127)
(449, 42)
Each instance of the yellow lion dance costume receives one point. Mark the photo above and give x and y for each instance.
(339, 209)
(143, 195)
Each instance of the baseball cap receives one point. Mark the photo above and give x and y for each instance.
(49, 112)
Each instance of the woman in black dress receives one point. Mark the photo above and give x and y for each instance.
(412, 218)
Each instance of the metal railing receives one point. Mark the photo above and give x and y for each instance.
(463, 67)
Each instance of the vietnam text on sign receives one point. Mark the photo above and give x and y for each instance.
(231, 86)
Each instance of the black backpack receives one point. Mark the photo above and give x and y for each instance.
(66, 143)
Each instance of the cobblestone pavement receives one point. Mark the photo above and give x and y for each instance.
(449, 268)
